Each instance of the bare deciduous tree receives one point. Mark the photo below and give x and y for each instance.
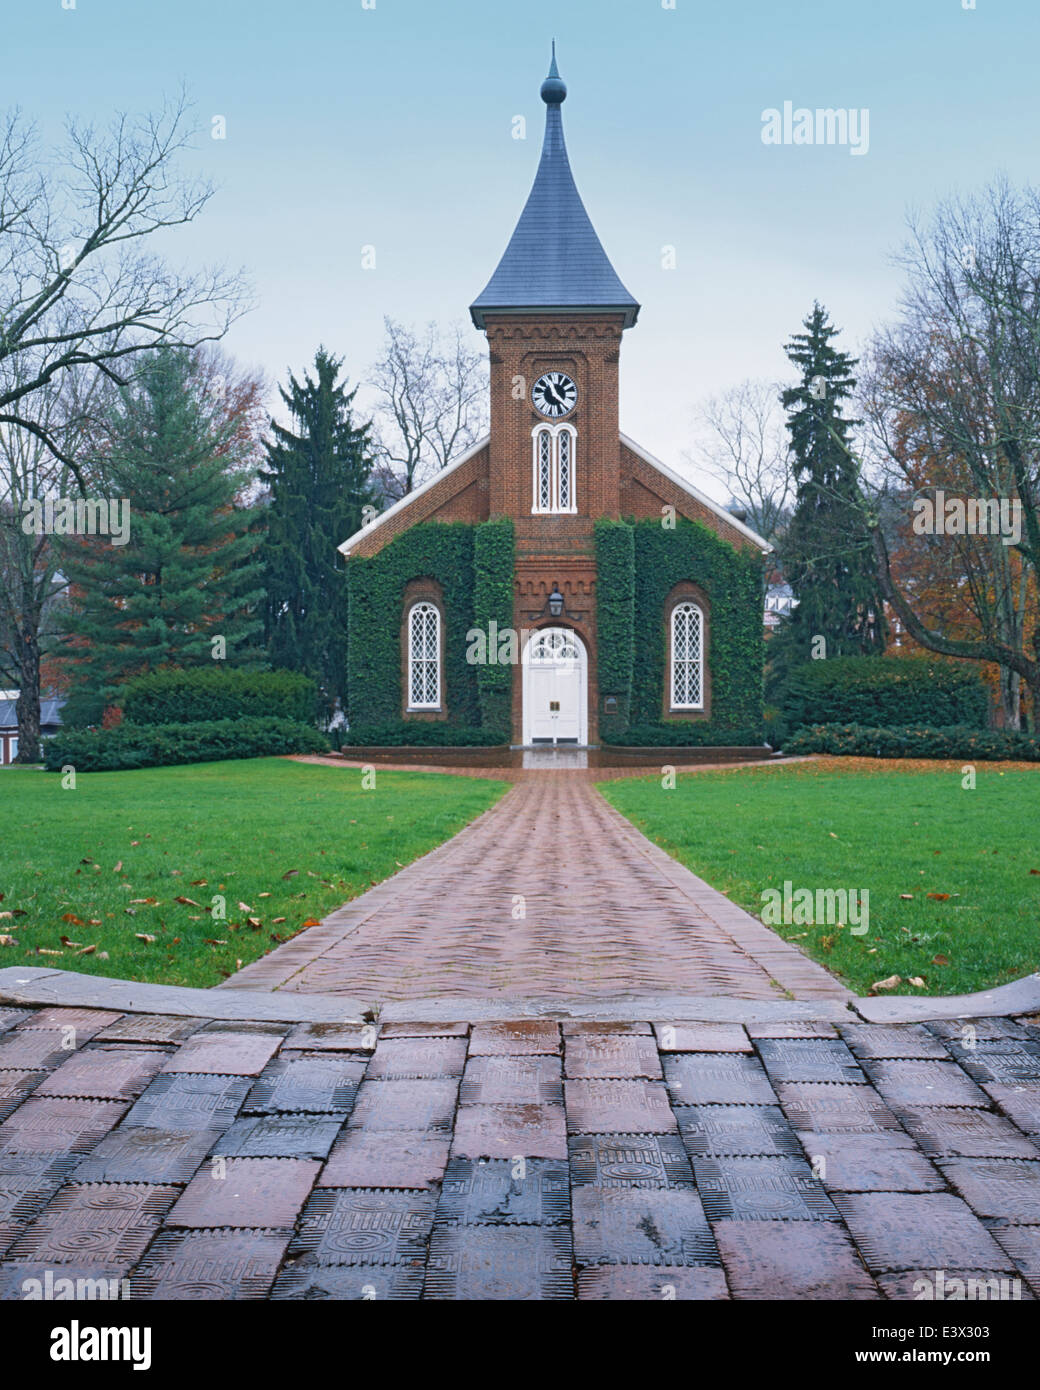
(80, 285)
(953, 400)
(431, 404)
(745, 446)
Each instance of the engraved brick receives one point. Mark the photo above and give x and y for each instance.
(577, 1027)
(951, 1132)
(618, 1107)
(1022, 1243)
(954, 1285)
(514, 1039)
(424, 1030)
(648, 1283)
(706, 1078)
(32, 1049)
(761, 1189)
(208, 1266)
(605, 1055)
(86, 1022)
(146, 1155)
(355, 1226)
(316, 1084)
(48, 1124)
(1020, 1103)
(14, 1087)
(924, 1083)
(350, 1283)
(905, 1041)
(280, 1136)
(809, 1059)
(629, 1160)
(835, 1109)
(500, 1263)
(714, 1131)
(332, 1037)
(999, 1189)
(151, 1028)
(1003, 1068)
(502, 1192)
(183, 1103)
(110, 1223)
(34, 1280)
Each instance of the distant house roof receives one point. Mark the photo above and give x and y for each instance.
(50, 711)
(555, 260)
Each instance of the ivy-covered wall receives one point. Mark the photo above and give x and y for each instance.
(661, 558)
(470, 563)
(615, 621)
(494, 566)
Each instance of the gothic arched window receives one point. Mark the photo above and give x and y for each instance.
(555, 447)
(424, 656)
(687, 656)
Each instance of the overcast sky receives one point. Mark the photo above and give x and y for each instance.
(392, 126)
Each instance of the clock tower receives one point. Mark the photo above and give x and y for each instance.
(554, 313)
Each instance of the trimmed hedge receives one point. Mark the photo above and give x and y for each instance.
(218, 693)
(887, 692)
(955, 741)
(166, 745)
(699, 735)
(407, 733)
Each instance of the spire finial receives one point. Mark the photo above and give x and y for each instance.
(554, 89)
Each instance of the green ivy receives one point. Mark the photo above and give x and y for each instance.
(468, 562)
(733, 583)
(494, 565)
(615, 619)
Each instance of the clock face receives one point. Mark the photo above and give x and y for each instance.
(555, 394)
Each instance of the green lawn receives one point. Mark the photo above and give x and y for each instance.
(891, 829)
(284, 843)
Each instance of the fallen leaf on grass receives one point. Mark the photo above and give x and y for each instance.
(144, 936)
(72, 945)
(893, 982)
(940, 960)
(151, 902)
(188, 902)
(939, 897)
(87, 951)
(7, 940)
(276, 920)
(42, 951)
(211, 942)
(118, 868)
(907, 896)
(71, 917)
(312, 922)
(291, 874)
(917, 982)
(255, 923)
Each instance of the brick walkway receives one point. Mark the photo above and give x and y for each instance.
(552, 894)
(517, 1160)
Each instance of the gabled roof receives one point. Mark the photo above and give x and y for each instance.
(411, 497)
(554, 261)
(695, 492)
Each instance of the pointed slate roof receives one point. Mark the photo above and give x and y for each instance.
(554, 261)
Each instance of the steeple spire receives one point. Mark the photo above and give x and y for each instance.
(554, 261)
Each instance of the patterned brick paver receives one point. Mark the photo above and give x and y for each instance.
(505, 1161)
(550, 893)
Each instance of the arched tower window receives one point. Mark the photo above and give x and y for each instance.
(687, 656)
(424, 657)
(555, 447)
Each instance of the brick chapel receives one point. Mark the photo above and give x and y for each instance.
(595, 653)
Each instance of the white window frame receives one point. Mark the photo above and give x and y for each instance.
(415, 656)
(557, 491)
(685, 607)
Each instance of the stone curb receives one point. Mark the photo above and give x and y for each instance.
(43, 987)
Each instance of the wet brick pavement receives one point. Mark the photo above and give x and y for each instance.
(529, 1160)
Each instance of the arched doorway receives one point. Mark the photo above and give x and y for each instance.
(556, 675)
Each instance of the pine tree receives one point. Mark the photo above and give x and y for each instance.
(319, 477)
(185, 588)
(826, 551)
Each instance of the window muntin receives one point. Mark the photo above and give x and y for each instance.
(424, 657)
(555, 447)
(687, 656)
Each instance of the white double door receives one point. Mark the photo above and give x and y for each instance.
(555, 688)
